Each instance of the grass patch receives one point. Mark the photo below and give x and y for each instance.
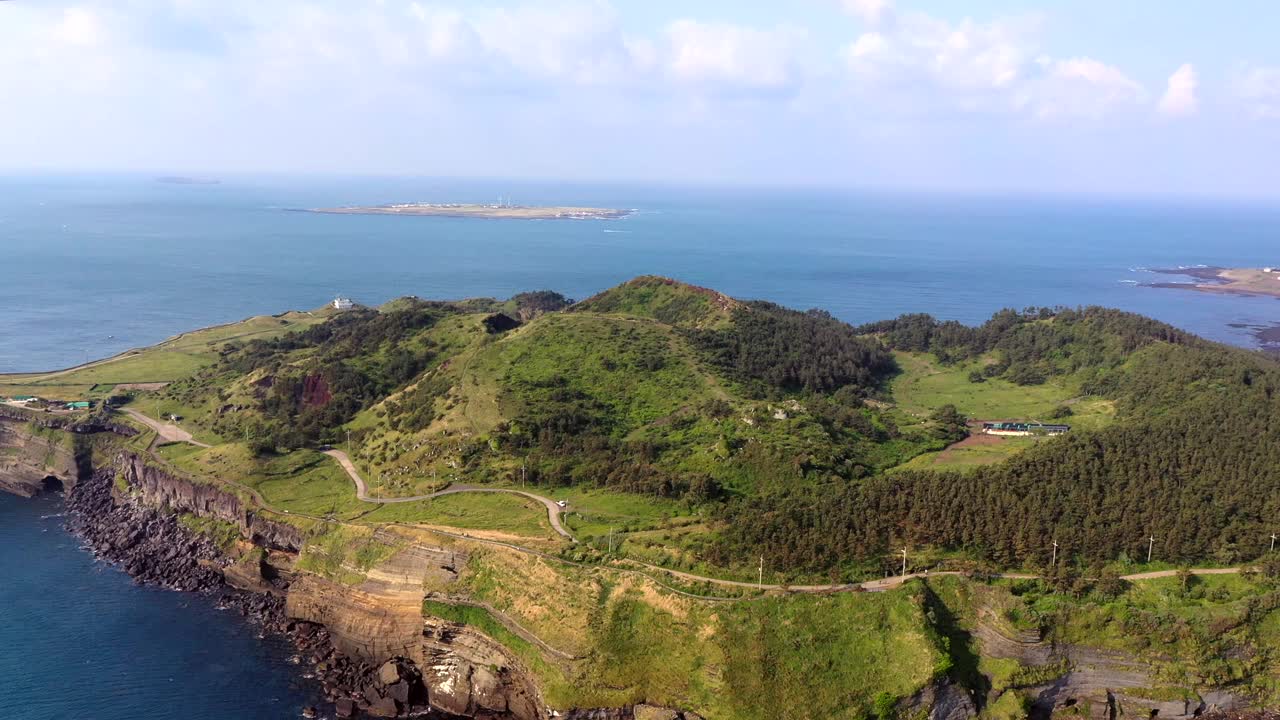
(479, 510)
(223, 534)
(344, 553)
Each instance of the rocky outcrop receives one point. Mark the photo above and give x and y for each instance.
(78, 424)
(361, 623)
(31, 462)
(1100, 684)
(941, 700)
(467, 673)
(159, 487)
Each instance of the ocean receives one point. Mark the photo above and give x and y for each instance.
(90, 266)
(93, 265)
(80, 641)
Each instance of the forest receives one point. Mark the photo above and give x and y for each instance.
(1193, 460)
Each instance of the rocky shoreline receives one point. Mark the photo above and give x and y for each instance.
(156, 549)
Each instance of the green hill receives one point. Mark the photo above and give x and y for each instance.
(754, 428)
(668, 301)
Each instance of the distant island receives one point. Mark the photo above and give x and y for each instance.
(183, 180)
(1241, 281)
(510, 212)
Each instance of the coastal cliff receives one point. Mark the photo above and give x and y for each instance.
(33, 460)
(163, 489)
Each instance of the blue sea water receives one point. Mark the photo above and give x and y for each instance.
(90, 266)
(80, 641)
(93, 265)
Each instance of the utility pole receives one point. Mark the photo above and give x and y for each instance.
(523, 474)
(1054, 561)
(611, 540)
(761, 582)
(348, 441)
(1273, 542)
(1151, 544)
(904, 562)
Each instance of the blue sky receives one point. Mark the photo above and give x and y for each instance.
(1135, 97)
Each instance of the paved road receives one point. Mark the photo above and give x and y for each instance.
(173, 433)
(362, 492)
(167, 432)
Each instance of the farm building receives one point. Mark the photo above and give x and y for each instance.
(1023, 428)
(79, 405)
(341, 303)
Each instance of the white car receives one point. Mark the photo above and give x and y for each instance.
(562, 503)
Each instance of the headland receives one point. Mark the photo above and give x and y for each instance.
(1239, 281)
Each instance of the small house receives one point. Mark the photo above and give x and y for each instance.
(1023, 428)
(79, 405)
(342, 303)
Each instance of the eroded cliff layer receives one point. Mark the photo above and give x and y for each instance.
(160, 488)
(32, 460)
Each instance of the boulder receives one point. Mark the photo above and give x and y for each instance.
(386, 707)
(389, 673)
(399, 692)
(344, 708)
(653, 712)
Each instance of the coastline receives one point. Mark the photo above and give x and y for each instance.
(1214, 279)
(155, 549)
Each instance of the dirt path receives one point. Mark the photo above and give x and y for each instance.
(166, 431)
(362, 492)
(172, 433)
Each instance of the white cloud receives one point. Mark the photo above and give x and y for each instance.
(966, 56)
(1180, 93)
(1259, 88)
(871, 11)
(984, 66)
(1079, 87)
(734, 56)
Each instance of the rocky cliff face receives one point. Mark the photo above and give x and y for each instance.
(160, 488)
(31, 463)
(362, 624)
(77, 424)
(467, 673)
(1098, 684)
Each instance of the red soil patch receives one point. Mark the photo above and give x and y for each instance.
(974, 440)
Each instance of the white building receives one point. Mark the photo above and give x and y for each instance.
(341, 303)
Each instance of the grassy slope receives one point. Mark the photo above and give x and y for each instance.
(177, 357)
(802, 656)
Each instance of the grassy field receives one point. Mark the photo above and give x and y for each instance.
(303, 481)
(177, 357)
(926, 385)
(478, 511)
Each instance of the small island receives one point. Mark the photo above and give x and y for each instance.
(1240, 281)
(500, 211)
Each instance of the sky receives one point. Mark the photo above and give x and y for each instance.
(1140, 97)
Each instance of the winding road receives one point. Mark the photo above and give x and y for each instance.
(362, 492)
(172, 433)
